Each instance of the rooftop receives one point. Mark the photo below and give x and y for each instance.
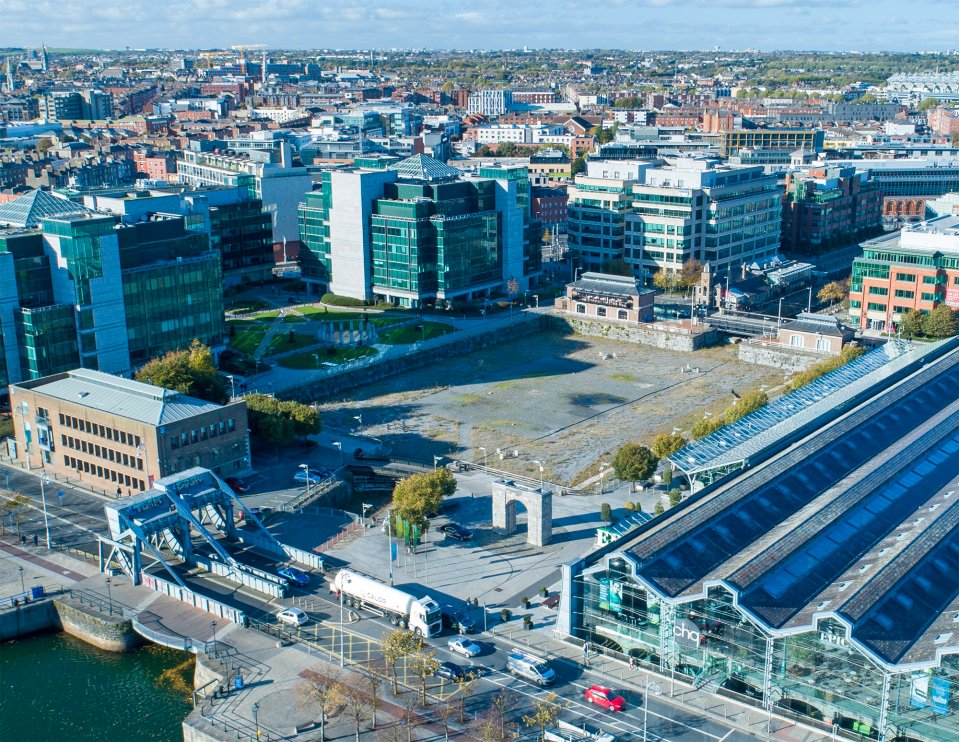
(28, 210)
(425, 169)
(121, 397)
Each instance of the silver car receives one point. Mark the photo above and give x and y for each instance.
(462, 645)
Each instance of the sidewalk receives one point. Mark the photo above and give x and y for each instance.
(675, 692)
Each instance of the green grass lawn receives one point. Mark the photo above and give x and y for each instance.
(306, 361)
(321, 313)
(247, 305)
(293, 318)
(247, 341)
(272, 314)
(410, 334)
(281, 343)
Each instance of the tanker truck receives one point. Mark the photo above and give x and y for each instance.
(421, 615)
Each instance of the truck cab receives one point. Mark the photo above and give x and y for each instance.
(426, 617)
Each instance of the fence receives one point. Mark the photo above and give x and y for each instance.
(199, 601)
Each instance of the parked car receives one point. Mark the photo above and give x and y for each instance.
(294, 575)
(462, 645)
(237, 485)
(292, 616)
(456, 532)
(605, 698)
(450, 671)
(301, 478)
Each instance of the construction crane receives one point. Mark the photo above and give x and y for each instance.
(242, 49)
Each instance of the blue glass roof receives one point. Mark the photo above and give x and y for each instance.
(753, 432)
(425, 169)
(28, 210)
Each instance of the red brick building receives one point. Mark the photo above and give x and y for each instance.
(549, 206)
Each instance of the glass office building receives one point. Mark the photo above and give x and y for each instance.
(821, 583)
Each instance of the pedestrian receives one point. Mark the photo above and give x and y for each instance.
(23, 540)
(36, 539)
(469, 601)
(632, 662)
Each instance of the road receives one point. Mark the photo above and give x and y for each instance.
(77, 517)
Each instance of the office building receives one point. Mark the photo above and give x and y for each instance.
(819, 583)
(77, 105)
(732, 141)
(418, 232)
(490, 102)
(914, 268)
(264, 169)
(829, 207)
(118, 435)
(79, 290)
(701, 209)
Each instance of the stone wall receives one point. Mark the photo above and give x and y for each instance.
(31, 618)
(789, 360)
(113, 633)
(642, 334)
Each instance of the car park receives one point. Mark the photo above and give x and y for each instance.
(292, 616)
(450, 671)
(466, 647)
(294, 575)
(605, 698)
(455, 531)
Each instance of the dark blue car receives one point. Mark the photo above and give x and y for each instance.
(294, 575)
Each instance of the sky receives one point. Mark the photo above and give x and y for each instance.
(860, 25)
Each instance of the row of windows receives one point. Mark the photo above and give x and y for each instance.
(111, 434)
(202, 433)
(102, 452)
(601, 311)
(799, 341)
(98, 471)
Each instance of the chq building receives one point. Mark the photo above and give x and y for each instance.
(822, 581)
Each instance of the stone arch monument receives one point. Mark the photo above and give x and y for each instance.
(539, 508)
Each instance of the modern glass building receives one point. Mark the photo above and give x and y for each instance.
(821, 583)
(417, 232)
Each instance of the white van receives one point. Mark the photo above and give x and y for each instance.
(529, 667)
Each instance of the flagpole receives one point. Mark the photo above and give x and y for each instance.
(389, 542)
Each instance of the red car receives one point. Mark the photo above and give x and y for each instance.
(605, 697)
(237, 485)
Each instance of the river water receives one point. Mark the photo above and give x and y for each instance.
(56, 688)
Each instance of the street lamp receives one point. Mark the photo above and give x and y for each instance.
(110, 595)
(483, 449)
(213, 629)
(359, 420)
(23, 589)
(18, 410)
(536, 298)
(306, 468)
(43, 497)
(436, 460)
(142, 454)
(366, 507)
(602, 473)
(540, 463)
(232, 387)
(338, 445)
(256, 719)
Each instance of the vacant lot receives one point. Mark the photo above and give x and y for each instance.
(567, 401)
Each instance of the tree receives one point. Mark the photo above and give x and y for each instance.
(190, 372)
(323, 690)
(578, 166)
(634, 462)
(545, 712)
(911, 323)
(664, 281)
(690, 273)
(397, 645)
(940, 322)
(928, 104)
(665, 444)
(373, 677)
(748, 402)
(16, 508)
(547, 237)
(658, 509)
(675, 497)
(605, 512)
(705, 427)
(668, 477)
(277, 421)
(419, 496)
(357, 702)
(502, 704)
(423, 664)
(832, 292)
(465, 689)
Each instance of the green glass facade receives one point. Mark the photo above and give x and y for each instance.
(314, 216)
(48, 339)
(243, 233)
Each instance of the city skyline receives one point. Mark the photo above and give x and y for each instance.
(883, 25)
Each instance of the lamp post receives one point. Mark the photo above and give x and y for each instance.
(256, 719)
(436, 460)
(232, 387)
(142, 454)
(109, 595)
(602, 474)
(338, 445)
(213, 629)
(23, 589)
(366, 507)
(306, 468)
(43, 497)
(483, 449)
(779, 318)
(18, 410)
(536, 299)
(341, 628)
(541, 470)
(359, 421)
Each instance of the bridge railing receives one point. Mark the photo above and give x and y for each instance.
(215, 607)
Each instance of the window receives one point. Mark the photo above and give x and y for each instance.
(822, 344)
(876, 307)
(600, 311)
(910, 277)
(903, 294)
(797, 341)
(581, 309)
(878, 290)
(231, 424)
(621, 314)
